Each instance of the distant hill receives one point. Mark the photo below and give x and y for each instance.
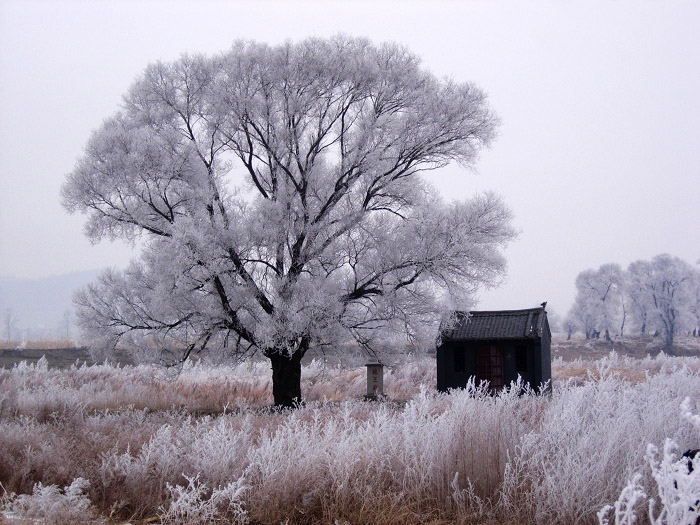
(40, 305)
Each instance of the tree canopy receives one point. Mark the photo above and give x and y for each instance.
(281, 198)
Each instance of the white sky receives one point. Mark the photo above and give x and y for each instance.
(598, 155)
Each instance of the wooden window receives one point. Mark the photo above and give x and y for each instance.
(460, 365)
(521, 358)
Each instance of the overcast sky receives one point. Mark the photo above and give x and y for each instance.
(598, 154)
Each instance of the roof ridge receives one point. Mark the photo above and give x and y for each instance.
(520, 311)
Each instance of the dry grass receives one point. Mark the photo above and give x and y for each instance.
(138, 433)
(635, 346)
(37, 344)
(632, 359)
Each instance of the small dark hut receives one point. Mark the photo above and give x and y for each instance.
(496, 347)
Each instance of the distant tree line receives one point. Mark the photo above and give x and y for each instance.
(13, 330)
(659, 297)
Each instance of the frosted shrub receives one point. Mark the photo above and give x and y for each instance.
(196, 504)
(677, 485)
(592, 438)
(50, 504)
(624, 508)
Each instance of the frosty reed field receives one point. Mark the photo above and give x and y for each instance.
(202, 446)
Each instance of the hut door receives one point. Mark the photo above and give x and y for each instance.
(489, 366)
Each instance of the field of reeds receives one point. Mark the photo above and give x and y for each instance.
(109, 443)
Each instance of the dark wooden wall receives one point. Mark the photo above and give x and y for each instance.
(535, 353)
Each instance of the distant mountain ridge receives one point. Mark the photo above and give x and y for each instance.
(40, 305)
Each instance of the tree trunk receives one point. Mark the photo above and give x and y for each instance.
(669, 338)
(286, 375)
(622, 326)
(286, 379)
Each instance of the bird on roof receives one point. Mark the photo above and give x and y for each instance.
(544, 304)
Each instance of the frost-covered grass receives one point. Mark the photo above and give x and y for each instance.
(39, 391)
(134, 442)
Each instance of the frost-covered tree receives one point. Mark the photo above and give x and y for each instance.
(556, 323)
(67, 324)
(279, 194)
(581, 317)
(598, 300)
(638, 277)
(661, 293)
(695, 302)
(670, 288)
(570, 325)
(9, 323)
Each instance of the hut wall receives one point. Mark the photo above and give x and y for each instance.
(456, 362)
(546, 354)
(520, 360)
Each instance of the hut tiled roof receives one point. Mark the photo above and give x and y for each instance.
(502, 324)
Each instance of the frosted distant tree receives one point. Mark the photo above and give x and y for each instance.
(570, 326)
(280, 195)
(694, 302)
(67, 324)
(556, 324)
(670, 287)
(581, 317)
(599, 299)
(9, 323)
(625, 302)
(637, 285)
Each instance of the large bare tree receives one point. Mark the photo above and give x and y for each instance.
(281, 198)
